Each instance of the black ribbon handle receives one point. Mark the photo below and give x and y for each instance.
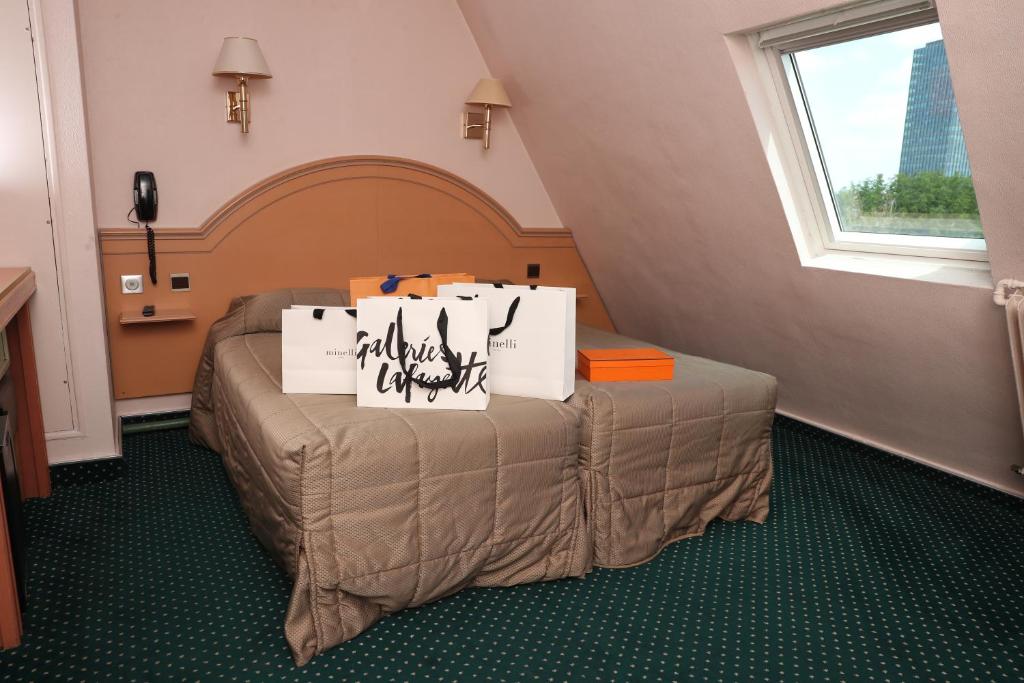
(512, 308)
(318, 313)
(454, 366)
(495, 331)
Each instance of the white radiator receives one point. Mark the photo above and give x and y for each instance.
(1010, 293)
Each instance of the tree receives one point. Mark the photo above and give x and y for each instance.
(926, 193)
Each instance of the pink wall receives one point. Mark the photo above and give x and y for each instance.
(356, 77)
(640, 130)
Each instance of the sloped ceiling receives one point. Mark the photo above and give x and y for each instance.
(636, 121)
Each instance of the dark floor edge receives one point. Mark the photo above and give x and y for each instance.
(155, 417)
(781, 418)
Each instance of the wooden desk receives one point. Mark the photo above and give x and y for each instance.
(16, 287)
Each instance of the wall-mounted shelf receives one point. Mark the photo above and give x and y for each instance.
(162, 315)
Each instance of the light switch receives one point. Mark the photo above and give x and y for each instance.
(131, 284)
(180, 282)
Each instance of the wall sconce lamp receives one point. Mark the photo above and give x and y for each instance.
(242, 59)
(489, 93)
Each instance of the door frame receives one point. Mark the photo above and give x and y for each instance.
(59, 86)
(50, 152)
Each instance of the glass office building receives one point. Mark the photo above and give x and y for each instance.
(932, 137)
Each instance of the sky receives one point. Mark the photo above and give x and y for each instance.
(858, 96)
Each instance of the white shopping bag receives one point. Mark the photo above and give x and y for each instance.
(421, 353)
(533, 340)
(318, 350)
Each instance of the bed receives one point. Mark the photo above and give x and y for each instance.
(375, 510)
(659, 460)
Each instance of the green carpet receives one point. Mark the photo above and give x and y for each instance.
(869, 567)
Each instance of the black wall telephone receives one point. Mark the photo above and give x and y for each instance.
(145, 211)
(145, 196)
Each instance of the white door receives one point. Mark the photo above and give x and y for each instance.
(26, 234)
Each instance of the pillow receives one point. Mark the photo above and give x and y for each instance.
(262, 312)
(246, 315)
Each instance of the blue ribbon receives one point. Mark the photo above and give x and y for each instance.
(391, 284)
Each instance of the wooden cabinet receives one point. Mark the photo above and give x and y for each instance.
(16, 287)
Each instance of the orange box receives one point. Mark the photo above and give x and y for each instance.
(358, 287)
(625, 365)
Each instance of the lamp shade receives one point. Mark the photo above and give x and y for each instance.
(241, 57)
(489, 91)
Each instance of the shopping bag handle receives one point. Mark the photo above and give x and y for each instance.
(512, 308)
(391, 283)
(454, 365)
(318, 313)
(495, 331)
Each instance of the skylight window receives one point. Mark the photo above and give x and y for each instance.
(877, 130)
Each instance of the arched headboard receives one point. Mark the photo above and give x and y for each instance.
(317, 225)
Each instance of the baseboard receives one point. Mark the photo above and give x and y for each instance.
(148, 405)
(153, 422)
(859, 438)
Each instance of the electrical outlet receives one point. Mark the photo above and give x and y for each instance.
(131, 284)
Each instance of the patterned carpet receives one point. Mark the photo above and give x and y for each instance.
(869, 567)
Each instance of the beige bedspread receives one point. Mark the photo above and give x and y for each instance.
(373, 510)
(662, 459)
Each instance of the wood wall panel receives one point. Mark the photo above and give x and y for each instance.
(318, 225)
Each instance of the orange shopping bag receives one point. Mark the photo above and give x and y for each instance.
(423, 284)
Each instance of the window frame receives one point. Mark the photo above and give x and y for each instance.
(775, 47)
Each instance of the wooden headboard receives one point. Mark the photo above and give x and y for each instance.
(318, 225)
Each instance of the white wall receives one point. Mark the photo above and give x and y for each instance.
(384, 77)
(641, 132)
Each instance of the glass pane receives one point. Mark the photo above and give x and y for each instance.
(889, 134)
